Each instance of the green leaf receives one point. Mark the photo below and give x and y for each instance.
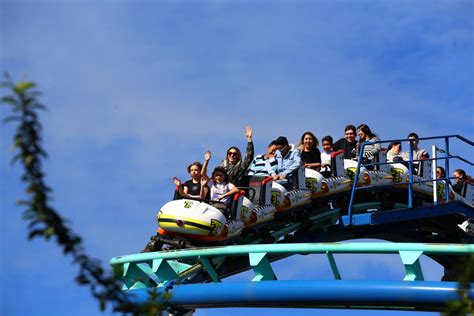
(21, 87)
(9, 100)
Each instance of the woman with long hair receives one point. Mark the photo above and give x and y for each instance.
(234, 165)
(370, 151)
(310, 154)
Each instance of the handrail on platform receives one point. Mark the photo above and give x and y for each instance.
(411, 181)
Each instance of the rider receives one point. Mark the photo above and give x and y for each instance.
(418, 153)
(347, 143)
(288, 159)
(220, 186)
(233, 163)
(192, 188)
(310, 154)
(264, 165)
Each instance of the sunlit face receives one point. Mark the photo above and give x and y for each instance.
(195, 172)
(327, 147)
(218, 177)
(361, 134)
(233, 156)
(349, 135)
(308, 141)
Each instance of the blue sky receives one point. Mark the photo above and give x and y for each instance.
(138, 89)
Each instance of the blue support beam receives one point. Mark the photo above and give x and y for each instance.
(411, 214)
(417, 295)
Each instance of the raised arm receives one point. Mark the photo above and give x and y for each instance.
(207, 157)
(204, 188)
(178, 184)
(249, 151)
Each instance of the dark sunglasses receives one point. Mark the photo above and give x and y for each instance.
(232, 153)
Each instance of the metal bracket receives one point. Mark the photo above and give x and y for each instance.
(209, 268)
(333, 264)
(260, 264)
(411, 261)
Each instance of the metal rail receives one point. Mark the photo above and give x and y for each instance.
(168, 274)
(411, 181)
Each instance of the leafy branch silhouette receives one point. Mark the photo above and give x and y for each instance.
(43, 220)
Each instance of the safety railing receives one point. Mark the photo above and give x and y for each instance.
(447, 157)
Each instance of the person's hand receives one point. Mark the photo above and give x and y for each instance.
(278, 177)
(220, 197)
(248, 132)
(204, 180)
(176, 181)
(207, 155)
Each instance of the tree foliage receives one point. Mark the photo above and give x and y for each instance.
(43, 220)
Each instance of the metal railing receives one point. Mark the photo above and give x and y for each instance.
(166, 280)
(411, 162)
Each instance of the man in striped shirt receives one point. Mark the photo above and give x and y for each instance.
(264, 165)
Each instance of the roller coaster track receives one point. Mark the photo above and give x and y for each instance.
(169, 276)
(181, 281)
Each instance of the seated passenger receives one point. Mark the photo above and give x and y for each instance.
(440, 173)
(461, 179)
(220, 187)
(394, 152)
(233, 163)
(326, 156)
(192, 188)
(347, 143)
(264, 165)
(418, 153)
(310, 154)
(288, 159)
(370, 151)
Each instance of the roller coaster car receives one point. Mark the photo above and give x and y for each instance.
(215, 221)
(339, 181)
(204, 220)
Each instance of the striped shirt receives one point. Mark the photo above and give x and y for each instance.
(263, 167)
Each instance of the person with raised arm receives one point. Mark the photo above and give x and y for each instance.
(219, 184)
(192, 188)
(234, 165)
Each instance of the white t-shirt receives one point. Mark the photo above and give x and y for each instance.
(325, 159)
(417, 154)
(219, 189)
